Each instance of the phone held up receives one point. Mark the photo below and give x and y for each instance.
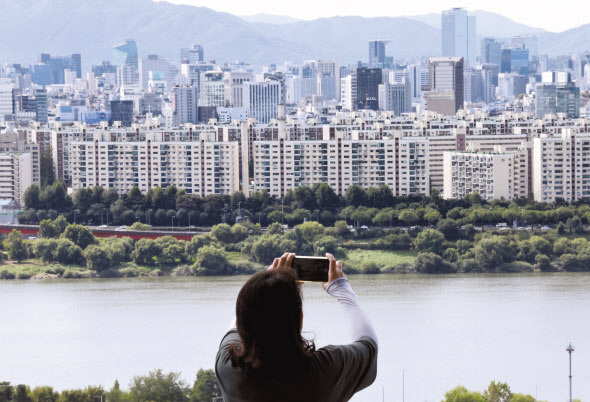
(311, 269)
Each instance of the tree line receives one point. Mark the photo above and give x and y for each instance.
(446, 247)
(156, 386)
(376, 206)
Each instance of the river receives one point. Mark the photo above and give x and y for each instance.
(442, 330)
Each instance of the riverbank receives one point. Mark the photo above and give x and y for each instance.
(37, 269)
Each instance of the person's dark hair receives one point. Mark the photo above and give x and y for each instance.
(269, 311)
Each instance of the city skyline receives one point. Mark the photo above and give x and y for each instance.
(559, 20)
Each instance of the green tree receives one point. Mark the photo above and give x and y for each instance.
(498, 392)
(45, 249)
(212, 261)
(171, 254)
(97, 258)
(6, 391)
(239, 232)
(44, 394)
(116, 394)
(46, 168)
(47, 229)
(145, 252)
(311, 230)
(430, 241)
(206, 387)
(408, 217)
(222, 232)
(15, 245)
(275, 228)
(433, 216)
(462, 394)
(32, 197)
(355, 195)
(21, 394)
(449, 228)
(326, 198)
(195, 244)
(159, 387)
(80, 235)
(493, 251)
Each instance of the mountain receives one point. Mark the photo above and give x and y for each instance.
(269, 19)
(575, 40)
(488, 24)
(31, 27)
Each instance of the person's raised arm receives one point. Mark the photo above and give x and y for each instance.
(339, 287)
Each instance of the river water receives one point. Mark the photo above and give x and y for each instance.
(442, 330)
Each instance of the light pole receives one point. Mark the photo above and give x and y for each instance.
(403, 385)
(240, 210)
(173, 216)
(570, 349)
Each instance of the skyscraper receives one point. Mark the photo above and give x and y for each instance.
(262, 100)
(377, 52)
(446, 75)
(396, 97)
(58, 64)
(184, 103)
(490, 51)
(155, 64)
(367, 87)
(458, 34)
(193, 55)
(557, 94)
(122, 111)
(125, 54)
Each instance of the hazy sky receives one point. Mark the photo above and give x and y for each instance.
(548, 14)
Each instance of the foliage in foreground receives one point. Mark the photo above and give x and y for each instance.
(496, 392)
(156, 386)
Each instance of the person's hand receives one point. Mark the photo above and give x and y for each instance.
(284, 262)
(335, 271)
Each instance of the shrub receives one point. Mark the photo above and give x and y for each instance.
(156, 272)
(139, 226)
(23, 275)
(128, 272)
(222, 233)
(146, 250)
(183, 270)
(370, 267)
(4, 274)
(430, 241)
(212, 261)
(275, 228)
(515, 267)
(469, 265)
(430, 263)
(80, 235)
(97, 258)
(68, 274)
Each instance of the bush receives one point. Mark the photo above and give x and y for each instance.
(430, 241)
(543, 263)
(275, 228)
(183, 270)
(68, 274)
(139, 226)
(403, 268)
(80, 235)
(430, 263)
(4, 274)
(515, 267)
(23, 275)
(156, 272)
(370, 267)
(468, 265)
(212, 261)
(146, 250)
(222, 233)
(97, 258)
(128, 272)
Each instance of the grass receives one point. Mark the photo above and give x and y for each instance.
(354, 258)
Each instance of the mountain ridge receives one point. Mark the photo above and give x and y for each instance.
(65, 27)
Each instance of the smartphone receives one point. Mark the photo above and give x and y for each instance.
(311, 269)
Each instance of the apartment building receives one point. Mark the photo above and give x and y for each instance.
(280, 166)
(16, 175)
(561, 166)
(198, 166)
(493, 175)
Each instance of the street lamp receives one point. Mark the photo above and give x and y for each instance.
(173, 216)
(403, 385)
(570, 349)
(282, 211)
